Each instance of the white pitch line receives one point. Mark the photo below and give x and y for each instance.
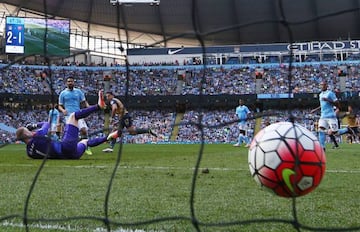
(40, 226)
(155, 167)
(57, 227)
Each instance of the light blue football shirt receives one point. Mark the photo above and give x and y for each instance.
(71, 99)
(242, 112)
(54, 115)
(327, 109)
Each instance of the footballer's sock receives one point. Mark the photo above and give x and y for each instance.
(322, 137)
(333, 139)
(96, 141)
(83, 113)
(112, 143)
(240, 139)
(246, 139)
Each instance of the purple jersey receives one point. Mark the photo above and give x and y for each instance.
(41, 145)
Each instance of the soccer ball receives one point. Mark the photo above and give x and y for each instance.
(287, 159)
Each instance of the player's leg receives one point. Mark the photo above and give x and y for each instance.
(126, 122)
(247, 140)
(333, 130)
(53, 132)
(70, 137)
(241, 137)
(352, 133)
(58, 129)
(333, 140)
(84, 134)
(114, 127)
(83, 113)
(111, 145)
(86, 143)
(71, 132)
(246, 136)
(79, 115)
(357, 134)
(240, 140)
(322, 129)
(343, 131)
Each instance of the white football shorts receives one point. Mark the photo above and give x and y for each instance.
(329, 123)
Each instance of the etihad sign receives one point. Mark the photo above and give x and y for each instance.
(319, 46)
(314, 46)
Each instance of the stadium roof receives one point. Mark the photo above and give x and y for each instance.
(220, 22)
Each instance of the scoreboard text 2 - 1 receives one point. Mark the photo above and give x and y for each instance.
(14, 35)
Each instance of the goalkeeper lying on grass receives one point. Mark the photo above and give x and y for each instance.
(39, 146)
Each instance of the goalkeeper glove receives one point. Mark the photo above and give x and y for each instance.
(31, 126)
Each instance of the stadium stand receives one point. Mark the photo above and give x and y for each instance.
(197, 107)
(163, 81)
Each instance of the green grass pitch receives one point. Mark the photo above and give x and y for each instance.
(152, 191)
(58, 43)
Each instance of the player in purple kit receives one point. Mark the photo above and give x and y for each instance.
(39, 145)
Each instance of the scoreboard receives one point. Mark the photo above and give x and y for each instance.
(37, 36)
(14, 35)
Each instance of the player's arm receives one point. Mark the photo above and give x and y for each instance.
(316, 109)
(336, 103)
(85, 104)
(248, 113)
(332, 99)
(44, 128)
(114, 109)
(61, 102)
(31, 126)
(62, 109)
(83, 101)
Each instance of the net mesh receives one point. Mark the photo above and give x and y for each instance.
(198, 224)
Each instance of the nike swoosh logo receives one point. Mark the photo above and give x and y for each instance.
(172, 52)
(286, 173)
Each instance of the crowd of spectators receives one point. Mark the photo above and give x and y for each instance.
(149, 81)
(220, 126)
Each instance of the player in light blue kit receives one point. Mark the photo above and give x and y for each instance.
(54, 120)
(242, 111)
(39, 146)
(328, 123)
(71, 100)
